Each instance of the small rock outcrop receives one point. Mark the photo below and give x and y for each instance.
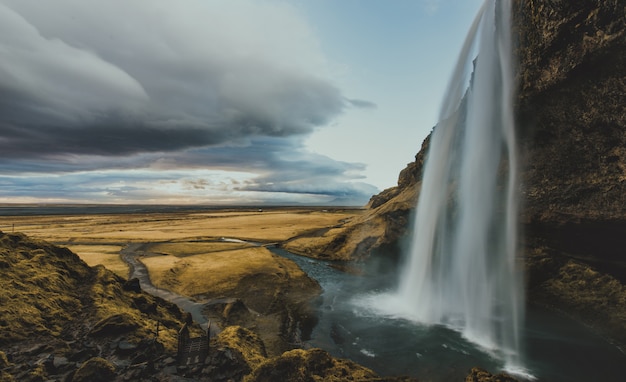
(315, 365)
(479, 375)
(95, 370)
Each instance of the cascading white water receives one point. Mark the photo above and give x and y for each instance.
(461, 270)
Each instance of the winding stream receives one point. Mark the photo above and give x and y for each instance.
(130, 254)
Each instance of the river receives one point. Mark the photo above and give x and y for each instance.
(556, 348)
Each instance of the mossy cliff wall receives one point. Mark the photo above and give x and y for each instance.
(571, 116)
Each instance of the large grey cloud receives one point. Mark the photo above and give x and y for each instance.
(124, 77)
(132, 92)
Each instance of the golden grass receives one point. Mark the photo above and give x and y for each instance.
(184, 249)
(109, 300)
(107, 255)
(268, 226)
(216, 271)
(98, 238)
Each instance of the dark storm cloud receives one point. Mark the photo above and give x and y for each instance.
(129, 100)
(126, 77)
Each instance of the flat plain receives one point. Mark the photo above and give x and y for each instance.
(182, 245)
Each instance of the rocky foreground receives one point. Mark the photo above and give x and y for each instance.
(62, 320)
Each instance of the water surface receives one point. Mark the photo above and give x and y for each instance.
(556, 348)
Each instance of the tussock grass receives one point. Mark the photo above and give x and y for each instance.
(48, 291)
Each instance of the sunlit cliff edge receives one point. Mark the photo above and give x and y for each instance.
(571, 125)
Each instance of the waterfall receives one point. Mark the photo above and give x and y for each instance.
(461, 270)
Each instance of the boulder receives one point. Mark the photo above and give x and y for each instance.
(115, 324)
(95, 370)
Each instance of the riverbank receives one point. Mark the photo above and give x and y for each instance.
(232, 282)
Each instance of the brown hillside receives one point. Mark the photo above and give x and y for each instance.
(62, 320)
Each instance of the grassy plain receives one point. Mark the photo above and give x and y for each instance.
(185, 246)
(206, 255)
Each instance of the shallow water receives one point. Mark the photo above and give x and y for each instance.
(556, 348)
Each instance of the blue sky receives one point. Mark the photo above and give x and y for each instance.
(219, 102)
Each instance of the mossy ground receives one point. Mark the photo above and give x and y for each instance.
(47, 291)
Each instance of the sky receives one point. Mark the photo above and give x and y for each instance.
(219, 102)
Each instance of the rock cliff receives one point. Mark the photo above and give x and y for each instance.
(572, 129)
(571, 123)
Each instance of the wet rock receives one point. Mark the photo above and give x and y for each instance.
(169, 370)
(38, 349)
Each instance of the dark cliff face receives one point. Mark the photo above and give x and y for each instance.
(571, 117)
(571, 123)
(571, 110)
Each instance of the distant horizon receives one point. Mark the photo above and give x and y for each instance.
(42, 209)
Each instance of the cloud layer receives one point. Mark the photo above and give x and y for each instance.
(96, 85)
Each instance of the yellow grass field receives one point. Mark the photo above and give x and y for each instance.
(107, 255)
(216, 272)
(268, 226)
(188, 252)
